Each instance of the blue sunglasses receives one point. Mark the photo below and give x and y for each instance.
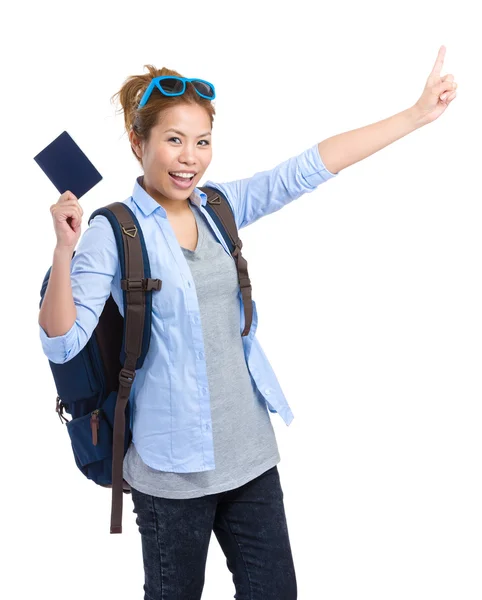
(176, 86)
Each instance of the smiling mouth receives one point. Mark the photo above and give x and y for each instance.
(182, 183)
(181, 178)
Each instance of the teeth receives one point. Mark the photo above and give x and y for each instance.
(185, 175)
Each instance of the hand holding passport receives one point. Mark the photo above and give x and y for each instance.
(72, 173)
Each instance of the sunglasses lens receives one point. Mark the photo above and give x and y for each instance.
(171, 85)
(203, 88)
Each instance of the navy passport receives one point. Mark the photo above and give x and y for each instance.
(67, 167)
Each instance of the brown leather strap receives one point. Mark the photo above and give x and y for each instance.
(225, 215)
(134, 329)
(135, 286)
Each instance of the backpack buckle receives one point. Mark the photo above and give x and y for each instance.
(214, 200)
(237, 248)
(145, 285)
(131, 232)
(126, 377)
(244, 282)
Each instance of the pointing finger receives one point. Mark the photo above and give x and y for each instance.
(439, 62)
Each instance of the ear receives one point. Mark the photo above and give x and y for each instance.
(136, 143)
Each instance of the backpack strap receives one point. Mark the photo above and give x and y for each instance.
(220, 211)
(134, 267)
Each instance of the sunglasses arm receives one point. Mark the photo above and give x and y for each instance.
(147, 93)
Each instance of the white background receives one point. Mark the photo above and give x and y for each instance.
(368, 289)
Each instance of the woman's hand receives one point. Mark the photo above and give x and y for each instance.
(438, 93)
(67, 217)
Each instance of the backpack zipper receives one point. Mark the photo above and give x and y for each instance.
(94, 425)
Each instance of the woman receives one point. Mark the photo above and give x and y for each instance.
(203, 455)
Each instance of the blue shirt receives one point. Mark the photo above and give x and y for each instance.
(171, 420)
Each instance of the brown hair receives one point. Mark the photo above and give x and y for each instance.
(142, 120)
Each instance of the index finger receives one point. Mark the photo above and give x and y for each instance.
(68, 195)
(439, 62)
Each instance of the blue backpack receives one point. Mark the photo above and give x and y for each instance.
(93, 387)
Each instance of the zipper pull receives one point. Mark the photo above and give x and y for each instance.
(94, 425)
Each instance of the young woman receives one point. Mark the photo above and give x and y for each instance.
(203, 455)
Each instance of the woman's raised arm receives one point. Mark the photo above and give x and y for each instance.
(345, 149)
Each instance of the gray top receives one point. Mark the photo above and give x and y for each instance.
(244, 441)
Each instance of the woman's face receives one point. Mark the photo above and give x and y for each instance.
(186, 149)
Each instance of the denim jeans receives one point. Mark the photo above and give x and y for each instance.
(250, 525)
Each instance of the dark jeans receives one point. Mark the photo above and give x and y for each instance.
(250, 525)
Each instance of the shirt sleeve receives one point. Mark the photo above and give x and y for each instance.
(268, 191)
(92, 271)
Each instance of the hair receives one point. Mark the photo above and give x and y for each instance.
(142, 120)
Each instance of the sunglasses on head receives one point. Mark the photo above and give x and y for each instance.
(170, 85)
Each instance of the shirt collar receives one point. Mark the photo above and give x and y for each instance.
(148, 205)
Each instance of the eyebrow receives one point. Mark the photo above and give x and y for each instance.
(181, 133)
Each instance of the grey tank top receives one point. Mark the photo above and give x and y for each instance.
(244, 441)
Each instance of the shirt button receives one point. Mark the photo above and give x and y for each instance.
(205, 391)
(189, 284)
(206, 426)
(201, 355)
(267, 391)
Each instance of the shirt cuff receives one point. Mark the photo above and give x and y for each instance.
(57, 348)
(313, 169)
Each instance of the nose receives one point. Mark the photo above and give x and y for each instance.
(187, 155)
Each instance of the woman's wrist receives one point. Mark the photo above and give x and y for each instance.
(63, 252)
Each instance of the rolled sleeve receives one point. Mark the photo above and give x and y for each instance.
(313, 169)
(268, 191)
(57, 348)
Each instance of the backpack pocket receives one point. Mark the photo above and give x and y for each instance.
(76, 378)
(92, 438)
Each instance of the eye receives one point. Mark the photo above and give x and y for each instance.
(176, 138)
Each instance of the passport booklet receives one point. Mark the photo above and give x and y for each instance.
(67, 167)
